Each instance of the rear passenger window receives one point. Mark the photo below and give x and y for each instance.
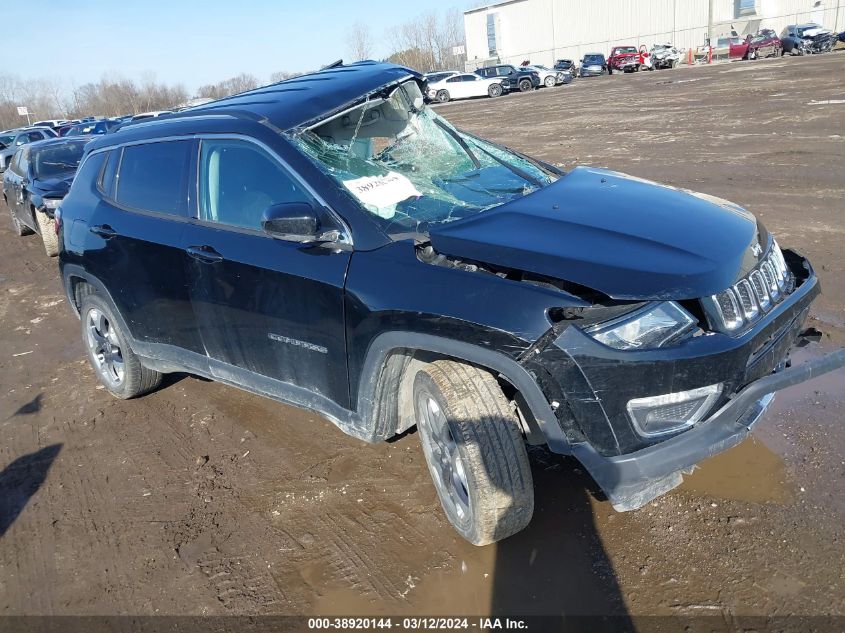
(238, 181)
(153, 176)
(107, 183)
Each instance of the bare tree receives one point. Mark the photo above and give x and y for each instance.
(360, 42)
(427, 42)
(231, 86)
(281, 75)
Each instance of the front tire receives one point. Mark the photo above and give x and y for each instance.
(549, 82)
(47, 227)
(474, 450)
(495, 90)
(442, 96)
(117, 367)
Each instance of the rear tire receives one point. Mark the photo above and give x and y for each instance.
(117, 367)
(474, 450)
(19, 229)
(442, 96)
(525, 85)
(47, 226)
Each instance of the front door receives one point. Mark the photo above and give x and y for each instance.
(270, 312)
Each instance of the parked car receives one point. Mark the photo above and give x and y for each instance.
(549, 77)
(664, 56)
(623, 59)
(90, 128)
(593, 65)
(439, 75)
(793, 37)
(765, 43)
(62, 130)
(512, 77)
(566, 64)
(464, 86)
(51, 123)
(344, 248)
(35, 183)
(14, 139)
(731, 47)
(153, 114)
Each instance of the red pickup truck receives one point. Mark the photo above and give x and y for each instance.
(624, 59)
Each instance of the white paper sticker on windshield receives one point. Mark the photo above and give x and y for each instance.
(382, 192)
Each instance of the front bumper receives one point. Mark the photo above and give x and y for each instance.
(630, 481)
(595, 383)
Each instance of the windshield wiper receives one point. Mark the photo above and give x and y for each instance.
(460, 141)
(513, 168)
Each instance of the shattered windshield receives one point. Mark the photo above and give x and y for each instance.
(406, 165)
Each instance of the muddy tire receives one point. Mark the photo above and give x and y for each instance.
(19, 229)
(549, 82)
(442, 96)
(495, 90)
(117, 367)
(475, 451)
(525, 85)
(47, 226)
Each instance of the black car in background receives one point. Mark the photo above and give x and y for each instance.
(338, 245)
(38, 177)
(88, 128)
(593, 65)
(513, 78)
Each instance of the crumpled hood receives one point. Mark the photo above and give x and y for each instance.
(623, 236)
(57, 186)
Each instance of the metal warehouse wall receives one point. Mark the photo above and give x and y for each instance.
(546, 30)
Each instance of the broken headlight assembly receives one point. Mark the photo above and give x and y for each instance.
(655, 325)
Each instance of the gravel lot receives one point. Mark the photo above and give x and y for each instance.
(201, 499)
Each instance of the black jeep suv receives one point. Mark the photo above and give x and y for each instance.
(513, 78)
(331, 242)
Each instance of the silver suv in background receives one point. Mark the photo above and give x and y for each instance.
(11, 141)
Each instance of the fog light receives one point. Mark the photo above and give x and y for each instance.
(658, 415)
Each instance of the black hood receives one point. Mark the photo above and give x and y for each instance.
(623, 236)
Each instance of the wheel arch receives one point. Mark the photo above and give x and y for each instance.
(387, 376)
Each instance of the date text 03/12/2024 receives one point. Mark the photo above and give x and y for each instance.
(422, 623)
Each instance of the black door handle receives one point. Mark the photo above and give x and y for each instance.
(103, 230)
(204, 254)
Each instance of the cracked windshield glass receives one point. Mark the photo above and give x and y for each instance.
(408, 166)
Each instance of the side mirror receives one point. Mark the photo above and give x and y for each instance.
(291, 221)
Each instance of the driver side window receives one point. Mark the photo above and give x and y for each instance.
(239, 180)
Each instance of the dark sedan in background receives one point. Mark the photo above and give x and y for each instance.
(593, 65)
(37, 179)
(88, 128)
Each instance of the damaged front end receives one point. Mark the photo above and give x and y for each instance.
(654, 323)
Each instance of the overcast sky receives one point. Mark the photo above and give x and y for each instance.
(192, 42)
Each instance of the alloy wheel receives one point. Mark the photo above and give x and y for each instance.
(104, 347)
(444, 459)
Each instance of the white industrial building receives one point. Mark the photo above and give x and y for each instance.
(542, 31)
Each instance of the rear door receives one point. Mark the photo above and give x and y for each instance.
(133, 244)
(270, 311)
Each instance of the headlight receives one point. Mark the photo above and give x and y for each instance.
(52, 203)
(653, 326)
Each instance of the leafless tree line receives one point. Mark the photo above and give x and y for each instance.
(424, 43)
(109, 97)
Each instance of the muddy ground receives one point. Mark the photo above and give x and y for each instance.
(201, 499)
